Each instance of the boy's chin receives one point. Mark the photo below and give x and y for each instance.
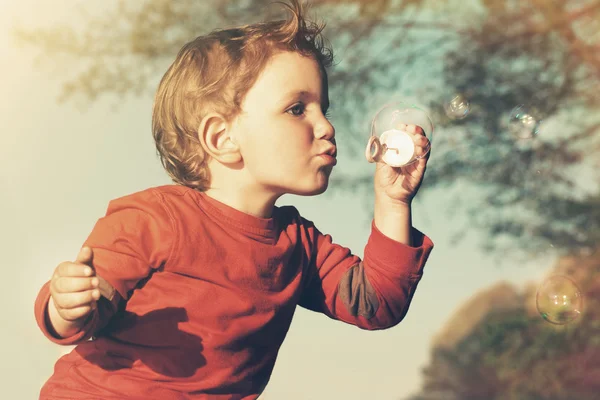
(313, 191)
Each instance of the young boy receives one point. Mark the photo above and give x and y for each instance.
(187, 291)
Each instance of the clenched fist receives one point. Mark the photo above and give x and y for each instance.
(74, 290)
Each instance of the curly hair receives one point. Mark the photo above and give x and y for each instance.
(214, 73)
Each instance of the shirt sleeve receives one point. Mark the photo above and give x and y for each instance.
(372, 293)
(133, 239)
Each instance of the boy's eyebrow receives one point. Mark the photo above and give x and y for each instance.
(306, 95)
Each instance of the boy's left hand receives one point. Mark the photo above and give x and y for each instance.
(399, 185)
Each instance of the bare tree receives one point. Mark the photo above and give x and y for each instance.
(497, 54)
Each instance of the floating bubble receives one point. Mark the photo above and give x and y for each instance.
(457, 107)
(559, 300)
(395, 135)
(524, 123)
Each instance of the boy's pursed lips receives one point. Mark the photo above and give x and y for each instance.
(330, 155)
(330, 151)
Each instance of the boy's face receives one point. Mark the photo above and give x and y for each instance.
(282, 130)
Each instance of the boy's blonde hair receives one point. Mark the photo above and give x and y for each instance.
(214, 73)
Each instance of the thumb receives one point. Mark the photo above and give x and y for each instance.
(85, 256)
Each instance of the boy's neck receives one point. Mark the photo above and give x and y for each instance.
(260, 206)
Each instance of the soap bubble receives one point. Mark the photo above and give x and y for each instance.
(395, 135)
(559, 300)
(524, 123)
(458, 107)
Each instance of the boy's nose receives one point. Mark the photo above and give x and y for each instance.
(325, 130)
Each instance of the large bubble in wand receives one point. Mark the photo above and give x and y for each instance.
(392, 140)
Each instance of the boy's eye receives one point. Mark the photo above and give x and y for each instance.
(297, 110)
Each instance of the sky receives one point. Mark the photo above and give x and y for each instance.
(60, 165)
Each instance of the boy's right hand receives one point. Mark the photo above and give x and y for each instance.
(74, 287)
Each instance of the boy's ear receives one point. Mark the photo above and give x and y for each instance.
(215, 137)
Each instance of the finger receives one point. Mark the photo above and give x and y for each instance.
(85, 256)
(424, 158)
(74, 314)
(67, 301)
(420, 140)
(68, 268)
(410, 129)
(421, 145)
(417, 133)
(71, 284)
(423, 153)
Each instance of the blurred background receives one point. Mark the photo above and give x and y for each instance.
(511, 196)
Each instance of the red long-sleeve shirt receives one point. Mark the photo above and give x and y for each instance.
(203, 295)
